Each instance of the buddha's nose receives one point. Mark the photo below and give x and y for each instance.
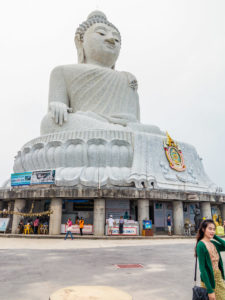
(111, 41)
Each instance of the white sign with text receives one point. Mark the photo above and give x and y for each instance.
(88, 229)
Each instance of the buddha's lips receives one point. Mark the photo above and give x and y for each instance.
(109, 45)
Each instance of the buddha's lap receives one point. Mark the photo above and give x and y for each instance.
(76, 121)
(89, 121)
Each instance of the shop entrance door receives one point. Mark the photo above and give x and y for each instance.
(73, 208)
(151, 214)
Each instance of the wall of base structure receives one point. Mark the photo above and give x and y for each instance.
(139, 204)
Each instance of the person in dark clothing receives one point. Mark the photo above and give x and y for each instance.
(21, 226)
(121, 222)
(197, 217)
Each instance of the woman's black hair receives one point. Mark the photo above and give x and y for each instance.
(201, 231)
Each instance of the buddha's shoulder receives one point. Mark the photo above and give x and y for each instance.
(69, 68)
(129, 75)
(68, 71)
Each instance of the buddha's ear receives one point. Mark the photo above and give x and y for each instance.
(80, 49)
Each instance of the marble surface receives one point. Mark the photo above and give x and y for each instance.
(104, 157)
(92, 133)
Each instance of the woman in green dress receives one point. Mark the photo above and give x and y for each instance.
(208, 248)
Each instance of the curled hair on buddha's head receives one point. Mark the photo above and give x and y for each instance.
(93, 18)
(201, 230)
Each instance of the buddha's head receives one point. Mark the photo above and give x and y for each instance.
(98, 41)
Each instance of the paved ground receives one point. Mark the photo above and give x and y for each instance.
(94, 237)
(32, 269)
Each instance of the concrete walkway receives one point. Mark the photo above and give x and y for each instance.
(61, 244)
(34, 269)
(93, 237)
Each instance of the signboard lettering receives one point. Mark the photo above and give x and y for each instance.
(35, 177)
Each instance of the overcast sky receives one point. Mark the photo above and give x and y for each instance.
(176, 49)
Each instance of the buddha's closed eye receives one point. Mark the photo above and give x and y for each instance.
(101, 33)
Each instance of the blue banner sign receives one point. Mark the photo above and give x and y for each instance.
(35, 177)
(147, 224)
(21, 178)
(4, 224)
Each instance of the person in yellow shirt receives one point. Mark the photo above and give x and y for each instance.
(81, 223)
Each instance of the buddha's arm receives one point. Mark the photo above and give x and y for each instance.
(58, 103)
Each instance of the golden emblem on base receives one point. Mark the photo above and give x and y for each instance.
(174, 154)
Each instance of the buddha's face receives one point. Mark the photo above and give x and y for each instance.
(101, 45)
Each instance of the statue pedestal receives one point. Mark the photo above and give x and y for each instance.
(96, 158)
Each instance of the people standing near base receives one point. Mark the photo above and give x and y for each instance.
(68, 229)
(110, 224)
(126, 216)
(36, 224)
(121, 223)
(208, 248)
(81, 223)
(21, 227)
(169, 224)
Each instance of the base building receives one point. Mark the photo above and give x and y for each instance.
(95, 206)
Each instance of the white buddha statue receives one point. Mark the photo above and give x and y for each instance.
(92, 135)
(92, 94)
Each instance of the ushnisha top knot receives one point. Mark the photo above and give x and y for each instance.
(93, 18)
(95, 14)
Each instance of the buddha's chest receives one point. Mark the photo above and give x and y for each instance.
(95, 87)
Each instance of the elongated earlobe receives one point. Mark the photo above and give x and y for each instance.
(80, 49)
